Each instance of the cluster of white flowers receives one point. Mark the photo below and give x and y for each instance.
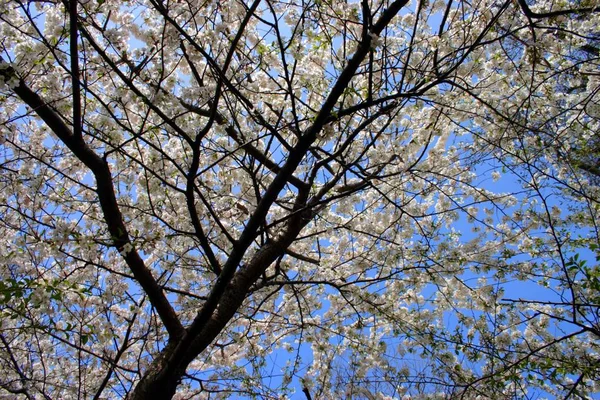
(448, 190)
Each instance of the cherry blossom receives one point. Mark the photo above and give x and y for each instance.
(318, 199)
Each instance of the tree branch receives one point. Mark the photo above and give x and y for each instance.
(550, 14)
(77, 121)
(230, 289)
(106, 196)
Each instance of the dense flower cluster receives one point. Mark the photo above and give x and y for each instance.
(326, 199)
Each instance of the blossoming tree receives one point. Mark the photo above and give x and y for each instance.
(305, 199)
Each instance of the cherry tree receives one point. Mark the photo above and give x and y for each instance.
(299, 199)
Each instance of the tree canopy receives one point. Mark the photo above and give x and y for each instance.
(317, 199)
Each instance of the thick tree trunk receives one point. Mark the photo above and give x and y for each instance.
(166, 371)
(155, 385)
